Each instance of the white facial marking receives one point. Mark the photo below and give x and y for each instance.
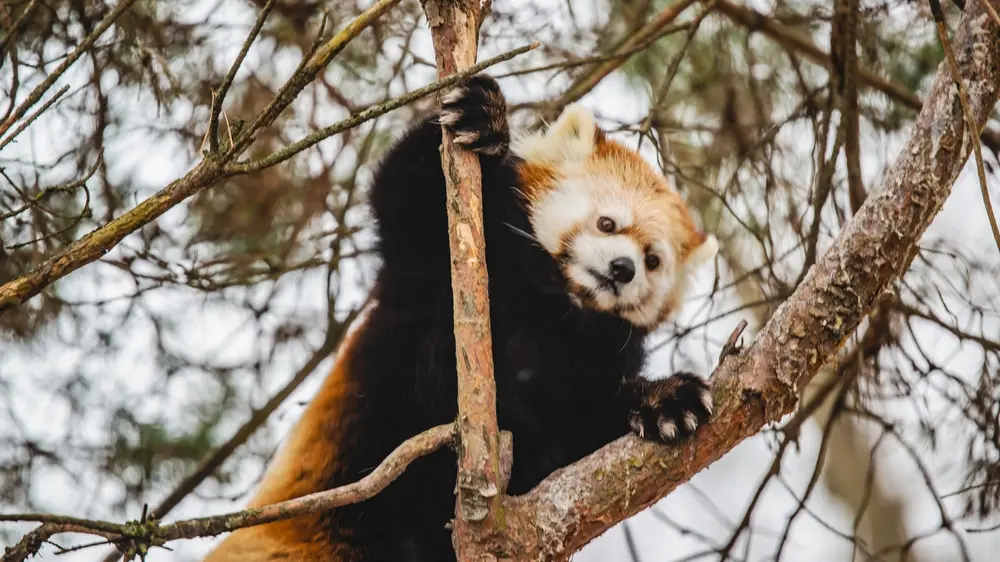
(559, 212)
(574, 205)
(668, 429)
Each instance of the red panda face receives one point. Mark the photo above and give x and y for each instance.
(624, 240)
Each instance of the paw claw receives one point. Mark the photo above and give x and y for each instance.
(449, 118)
(690, 421)
(668, 429)
(707, 401)
(453, 95)
(635, 422)
(467, 138)
(476, 115)
(672, 409)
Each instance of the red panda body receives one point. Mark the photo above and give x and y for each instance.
(587, 250)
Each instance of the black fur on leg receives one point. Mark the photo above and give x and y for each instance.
(668, 410)
(476, 114)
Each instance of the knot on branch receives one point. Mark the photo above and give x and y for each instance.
(138, 536)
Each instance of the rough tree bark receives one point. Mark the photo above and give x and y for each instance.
(758, 385)
(455, 30)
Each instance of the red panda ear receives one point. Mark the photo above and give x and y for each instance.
(572, 138)
(705, 249)
(576, 123)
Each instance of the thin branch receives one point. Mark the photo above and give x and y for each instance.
(257, 418)
(227, 82)
(370, 113)
(149, 533)
(571, 63)
(963, 98)
(36, 95)
(845, 66)
(97, 243)
(756, 21)
(15, 27)
(30, 543)
(31, 118)
(641, 39)
(52, 190)
(992, 11)
(307, 71)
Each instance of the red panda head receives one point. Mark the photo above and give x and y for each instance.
(624, 239)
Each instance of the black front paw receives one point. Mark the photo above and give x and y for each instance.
(669, 410)
(476, 115)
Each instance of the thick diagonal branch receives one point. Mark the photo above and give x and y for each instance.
(757, 386)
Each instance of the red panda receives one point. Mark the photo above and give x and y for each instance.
(588, 249)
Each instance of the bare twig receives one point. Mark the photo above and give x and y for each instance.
(209, 465)
(307, 71)
(641, 39)
(145, 534)
(16, 26)
(60, 188)
(756, 21)
(36, 95)
(98, 242)
(220, 96)
(843, 49)
(675, 64)
(291, 150)
(963, 98)
(31, 118)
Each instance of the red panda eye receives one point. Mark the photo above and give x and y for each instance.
(605, 224)
(652, 262)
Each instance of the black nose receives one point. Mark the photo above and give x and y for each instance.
(622, 270)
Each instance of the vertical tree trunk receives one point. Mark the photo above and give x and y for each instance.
(455, 29)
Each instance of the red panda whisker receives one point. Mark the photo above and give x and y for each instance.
(524, 234)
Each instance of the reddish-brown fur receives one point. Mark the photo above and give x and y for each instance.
(300, 467)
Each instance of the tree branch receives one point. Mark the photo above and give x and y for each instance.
(758, 386)
(138, 536)
(977, 149)
(99, 242)
(641, 39)
(756, 21)
(455, 32)
(36, 95)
